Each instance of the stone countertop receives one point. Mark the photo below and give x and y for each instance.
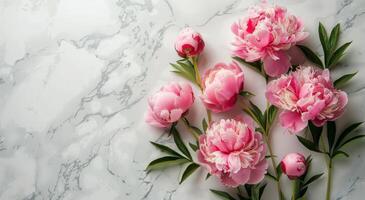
(75, 75)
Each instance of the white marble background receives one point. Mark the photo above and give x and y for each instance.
(75, 74)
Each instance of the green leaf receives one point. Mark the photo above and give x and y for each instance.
(255, 65)
(248, 188)
(334, 37)
(347, 132)
(278, 170)
(338, 153)
(179, 143)
(208, 175)
(258, 114)
(311, 55)
(308, 162)
(185, 75)
(165, 162)
(259, 129)
(312, 179)
(323, 37)
(193, 146)
(268, 156)
(177, 67)
(331, 134)
(246, 94)
(222, 195)
(272, 111)
(316, 132)
(188, 171)
(186, 64)
(185, 69)
(196, 131)
(308, 144)
(242, 197)
(204, 125)
(261, 190)
(343, 80)
(352, 139)
(166, 149)
(301, 193)
(271, 176)
(338, 54)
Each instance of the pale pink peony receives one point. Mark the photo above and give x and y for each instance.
(306, 94)
(293, 165)
(221, 86)
(189, 43)
(168, 104)
(266, 34)
(234, 152)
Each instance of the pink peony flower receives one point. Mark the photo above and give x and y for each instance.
(234, 152)
(306, 94)
(266, 34)
(221, 86)
(293, 165)
(168, 104)
(189, 43)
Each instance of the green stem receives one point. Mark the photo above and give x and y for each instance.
(329, 180)
(273, 162)
(239, 190)
(194, 60)
(193, 133)
(295, 189)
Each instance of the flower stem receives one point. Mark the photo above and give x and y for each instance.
(295, 189)
(273, 162)
(194, 60)
(329, 180)
(196, 136)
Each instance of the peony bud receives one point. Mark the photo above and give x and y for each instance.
(189, 43)
(293, 165)
(169, 104)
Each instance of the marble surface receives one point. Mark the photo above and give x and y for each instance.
(75, 75)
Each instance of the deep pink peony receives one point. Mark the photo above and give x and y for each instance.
(234, 152)
(221, 86)
(266, 34)
(306, 94)
(189, 43)
(293, 165)
(169, 104)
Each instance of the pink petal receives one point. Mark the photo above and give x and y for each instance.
(314, 110)
(236, 179)
(234, 163)
(175, 114)
(258, 174)
(150, 119)
(292, 121)
(296, 56)
(275, 68)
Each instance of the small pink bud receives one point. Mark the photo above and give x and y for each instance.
(293, 165)
(189, 43)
